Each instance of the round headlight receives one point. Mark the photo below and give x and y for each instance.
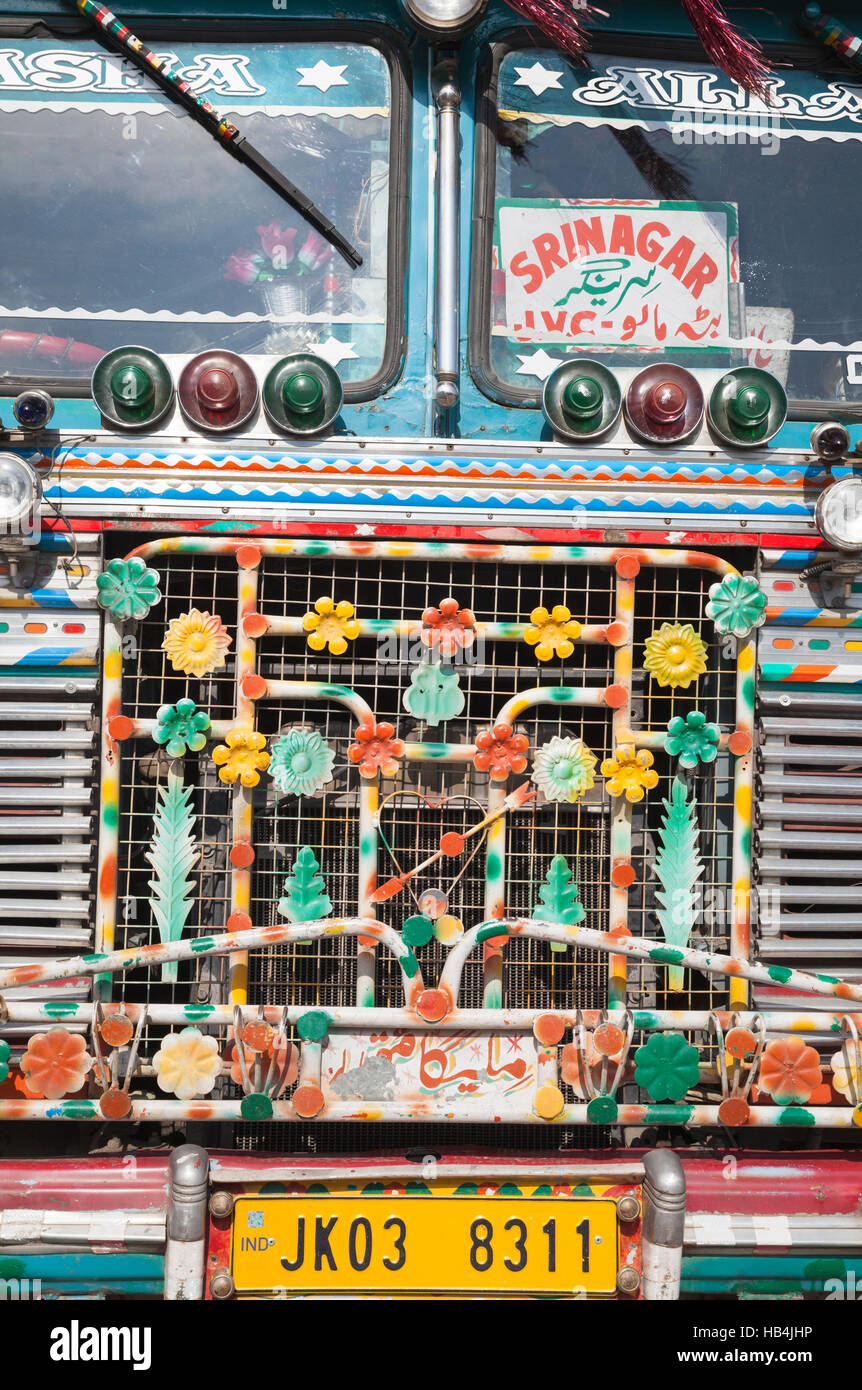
(443, 16)
(839, 514)
(33, 409)
(20, 491)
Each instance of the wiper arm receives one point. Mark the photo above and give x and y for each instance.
(116, 33)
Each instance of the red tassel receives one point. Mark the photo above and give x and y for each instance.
(740, 59)
(562, 21)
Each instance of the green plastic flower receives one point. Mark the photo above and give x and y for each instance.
(434, 694)
(691, 739)
(4, 1059)
(737, 605)
(667, 1066)
(128, 588)
(181, 727)
(301, 762)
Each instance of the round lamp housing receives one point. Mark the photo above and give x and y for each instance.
(838, 514)
(830, 441)
(20, 495)
(664, 404)
(581, 400)
(217, 391)
(302, 394)
(747, 407)
(33, 409)
(132, 387)
(443, 17)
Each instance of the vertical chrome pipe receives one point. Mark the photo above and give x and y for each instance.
(186, 1225)
(663, 1225)
(448, 231)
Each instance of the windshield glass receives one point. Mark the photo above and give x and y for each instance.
(125, 221)
(650, 208)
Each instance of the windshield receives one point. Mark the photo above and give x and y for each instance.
(650, 208)
(125, 221)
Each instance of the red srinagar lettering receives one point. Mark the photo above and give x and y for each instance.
(586, 238)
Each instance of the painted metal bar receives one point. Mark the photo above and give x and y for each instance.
(743, 799)
(447, 345)
(242, 812)
(109, 803)
(621, 826)
(592, 696)
(79, 1015)
(318, 548)
(315, 690)
(366, 954)
(277, 625)
(639, 948)
(495, 896)
(841, 1117)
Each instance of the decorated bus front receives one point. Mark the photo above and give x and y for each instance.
(430, 809)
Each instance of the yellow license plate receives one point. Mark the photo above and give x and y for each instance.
(427, 1243)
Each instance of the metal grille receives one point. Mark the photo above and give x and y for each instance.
(427, 798)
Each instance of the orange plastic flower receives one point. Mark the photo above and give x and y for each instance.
(448, 627)
(789, 1071)
(196, 643)
(56, 1063)
(376, 747)
(500, 751)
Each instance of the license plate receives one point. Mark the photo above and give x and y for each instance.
(424, 1243)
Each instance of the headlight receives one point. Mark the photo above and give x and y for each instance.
(20, 491)
(33, 409)
(839, 514)
(443, 16)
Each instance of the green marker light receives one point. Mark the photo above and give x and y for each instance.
(133, 389)
(302, 393)
(583, 398)
(749, 407)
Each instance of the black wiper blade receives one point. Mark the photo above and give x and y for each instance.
(227, 134)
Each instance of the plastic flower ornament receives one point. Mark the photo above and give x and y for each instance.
(629, 772)
(675, 655)
(448, 628)
(789, 1071)
(5, 1052)
(667, 1066)
(564, 769)
(376, 748)
(692, 740)
(55, 1063)
(180, 727)
(241, 757)
(196, 643)
(737, 605)
(846, 1077)
(331, 624)
(187, 1064)
(500, 751)
(300, 762)
(128, 588)
(552, 634)
(434, 694)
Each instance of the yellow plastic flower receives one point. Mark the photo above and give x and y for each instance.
(331, 624)
(675, 655)
(552, 634)
(242, 757)
(196, 643)
(629, 773)
(187, 1064)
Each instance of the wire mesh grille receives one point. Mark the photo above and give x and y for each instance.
(427, 798)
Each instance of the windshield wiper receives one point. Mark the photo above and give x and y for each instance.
(116, 33)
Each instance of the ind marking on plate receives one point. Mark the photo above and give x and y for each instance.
(562, 1245)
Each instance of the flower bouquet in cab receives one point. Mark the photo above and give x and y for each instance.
(289, 266)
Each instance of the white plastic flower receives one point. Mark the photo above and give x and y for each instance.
(187, 1064)
(564, 769)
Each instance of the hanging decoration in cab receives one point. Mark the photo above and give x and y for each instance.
(740, 58)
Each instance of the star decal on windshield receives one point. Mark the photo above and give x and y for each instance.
(322, 76)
